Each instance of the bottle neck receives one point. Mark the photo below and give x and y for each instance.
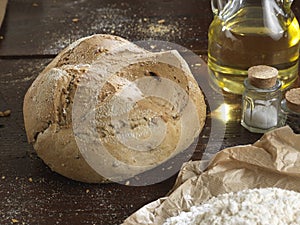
(227, 8)
(270, 17)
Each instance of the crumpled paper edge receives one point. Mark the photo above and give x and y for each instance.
(272, 161)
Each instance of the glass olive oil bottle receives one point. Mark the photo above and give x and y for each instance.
(247, 33)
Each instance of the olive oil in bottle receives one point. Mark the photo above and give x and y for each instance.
(248, 33)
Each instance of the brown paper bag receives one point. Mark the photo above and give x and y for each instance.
(273, 161)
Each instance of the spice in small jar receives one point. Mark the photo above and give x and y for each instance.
(290, 109)
(261, 99)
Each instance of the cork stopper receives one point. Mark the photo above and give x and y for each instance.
(262, 76)
(293, 99)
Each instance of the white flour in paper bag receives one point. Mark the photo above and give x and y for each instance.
(263, 206)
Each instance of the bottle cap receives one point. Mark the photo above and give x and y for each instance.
(293, 99)
(262, 76)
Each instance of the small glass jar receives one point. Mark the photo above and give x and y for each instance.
(261, 105)
(290, 112)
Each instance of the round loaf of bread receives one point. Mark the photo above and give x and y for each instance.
(105, 103)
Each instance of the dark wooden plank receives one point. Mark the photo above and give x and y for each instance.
(46, 27)
(31, 193)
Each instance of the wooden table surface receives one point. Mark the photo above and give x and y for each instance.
(33, 33)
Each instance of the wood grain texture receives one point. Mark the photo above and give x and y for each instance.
(32, 34)
(58, 23)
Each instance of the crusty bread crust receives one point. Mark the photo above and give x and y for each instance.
(48, 106)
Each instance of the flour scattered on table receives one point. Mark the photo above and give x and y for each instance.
(121, 21)
(255, 206)
(158, 29)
